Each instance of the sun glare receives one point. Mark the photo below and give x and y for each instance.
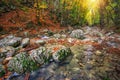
(93, 6)
(93, 0)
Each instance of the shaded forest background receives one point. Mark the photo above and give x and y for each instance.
(104, 13)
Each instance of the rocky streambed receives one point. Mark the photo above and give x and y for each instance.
(81, 54)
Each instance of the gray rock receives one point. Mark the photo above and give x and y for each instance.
(46, 72)
(57, 35)
(5, 40)
(63, 36)
(60, 52)
(8, 51)
(25, 42)
(40, 42)
(21, 63)
(10, 40)
(11, 52)
(14, 41)
(77, 34)
(40, 55)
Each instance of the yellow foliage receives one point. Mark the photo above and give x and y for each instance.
(35, 5)
(40, 5)
(93, 10)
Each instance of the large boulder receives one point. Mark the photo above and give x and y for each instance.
(5, 40)
(21, 63)
(59, 52)
(25, 42)
(78, 33)
(10, 40)
(40, 55)
(14, 41)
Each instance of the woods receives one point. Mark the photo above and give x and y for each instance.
(59, 39)
(79, 12)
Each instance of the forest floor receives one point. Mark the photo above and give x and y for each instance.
(95, 51)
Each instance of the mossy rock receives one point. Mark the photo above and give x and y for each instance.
(22, 63)
(78, 33)
(59, 52)
(40, 55)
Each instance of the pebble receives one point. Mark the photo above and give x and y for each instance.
(40, 42)
(25, 42)
(98, 53)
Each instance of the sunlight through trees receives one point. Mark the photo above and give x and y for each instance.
(71, 12)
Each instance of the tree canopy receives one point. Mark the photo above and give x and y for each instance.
(79, 12)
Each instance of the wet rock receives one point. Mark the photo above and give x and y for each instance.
(40, 42)
(63, 36)
(40, 55)
(46, 72)
(14, 42)
(7, 52)
(60, 52)
(21, 63)
(4, 40)
(11, 51)
(58, 77)
(57, 35)
(25, 42)
(39, 74)
(10, 40)
(2, 71)
(98, 53)
(77, 34)
(14, 76)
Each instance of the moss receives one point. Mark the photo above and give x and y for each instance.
(2, 71)
(63, 54)
(22, 63)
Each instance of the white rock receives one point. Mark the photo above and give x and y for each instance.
(25, 42)
(41, 42)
